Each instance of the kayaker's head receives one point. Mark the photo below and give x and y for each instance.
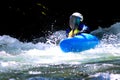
(75, 19)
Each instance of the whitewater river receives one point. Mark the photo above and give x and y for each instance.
(45, 61)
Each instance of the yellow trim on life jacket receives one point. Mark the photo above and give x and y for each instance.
(73, 32)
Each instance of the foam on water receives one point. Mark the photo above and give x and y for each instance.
(14, 53)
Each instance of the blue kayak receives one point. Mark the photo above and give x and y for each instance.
(79, 43)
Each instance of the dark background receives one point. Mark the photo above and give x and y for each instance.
(28, 19)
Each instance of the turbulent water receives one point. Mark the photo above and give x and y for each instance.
(45, 61)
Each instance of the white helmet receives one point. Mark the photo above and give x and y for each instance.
(77, 14)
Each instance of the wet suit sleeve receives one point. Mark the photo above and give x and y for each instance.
(85, 29)
(67, 32)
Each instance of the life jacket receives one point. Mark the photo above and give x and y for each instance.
(81, 28)
(73, 32)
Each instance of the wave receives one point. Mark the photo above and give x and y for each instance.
(48, 52)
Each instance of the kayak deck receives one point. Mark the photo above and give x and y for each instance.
(79, 43)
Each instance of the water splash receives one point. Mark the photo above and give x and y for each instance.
(15, 52)
(37, 58)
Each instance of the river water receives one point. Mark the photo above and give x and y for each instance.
(45, 61)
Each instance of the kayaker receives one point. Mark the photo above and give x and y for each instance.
(76, 25)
